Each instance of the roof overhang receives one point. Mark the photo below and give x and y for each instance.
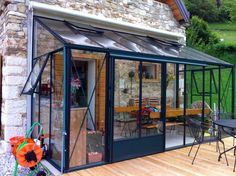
(101, 21)
(179, 11)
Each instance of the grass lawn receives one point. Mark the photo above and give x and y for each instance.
(225, 31)
(226, 88)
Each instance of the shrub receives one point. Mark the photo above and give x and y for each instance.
(199, 34)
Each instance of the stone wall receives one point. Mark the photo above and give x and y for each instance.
(144, 12)
(127, 89)
(13, 42)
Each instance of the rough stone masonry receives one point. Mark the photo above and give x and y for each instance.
(13, 43)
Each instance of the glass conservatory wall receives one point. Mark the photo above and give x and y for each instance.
(44, 42)
(87, 108)
(44, 103)
(57, 101)
(194, 97)
(129, 120)
(174, 108)
(126, 97)
(151, 99)
(226, 90)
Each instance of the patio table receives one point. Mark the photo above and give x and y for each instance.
(170, 112)
(227, 126)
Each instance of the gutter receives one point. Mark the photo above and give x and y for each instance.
(61, 13)
(183, 10)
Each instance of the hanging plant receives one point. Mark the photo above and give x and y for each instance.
(125, 90)
(131, 76)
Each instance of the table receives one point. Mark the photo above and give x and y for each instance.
(227, 126)
(170, 112)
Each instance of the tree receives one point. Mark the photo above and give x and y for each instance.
(205, 9)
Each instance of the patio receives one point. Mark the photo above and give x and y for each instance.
(175, 162)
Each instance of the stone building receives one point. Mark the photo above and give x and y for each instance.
(108, 80)
(15, 31)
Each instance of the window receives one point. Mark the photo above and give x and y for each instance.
(151, 72)
(33, 78)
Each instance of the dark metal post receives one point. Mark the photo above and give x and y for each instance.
(185, 101)
(140, 98)
(50, 110)
(177, 86)
(163, 99)
(203, 93)
(66, 108)
(211, 72)
(219, 88)
(233, 90)
(191, 87)
(110, 77)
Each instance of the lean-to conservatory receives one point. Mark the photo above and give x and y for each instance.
(105, 96)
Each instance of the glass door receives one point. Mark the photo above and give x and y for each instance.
(138, 121)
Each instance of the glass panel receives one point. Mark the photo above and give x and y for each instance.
(37, 69)
(174, 107)
(194, 92)
(70, 35)
(57, 106)
(104, 41)
(126, 103)
(44, 38)
(87, 110)
(226, 90)
(35, 117)
(151, 123)
(159, 47)
(44, 92)
(127, 43)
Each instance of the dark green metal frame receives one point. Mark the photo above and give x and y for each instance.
(112, 55)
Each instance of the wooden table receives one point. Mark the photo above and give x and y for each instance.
(170, 112)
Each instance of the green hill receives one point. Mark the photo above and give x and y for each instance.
(226, 31)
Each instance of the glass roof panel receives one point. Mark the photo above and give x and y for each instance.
(68, 34)
(161, 48)
(193, 54)
(88, 35)
(129, 44)
(103, 41)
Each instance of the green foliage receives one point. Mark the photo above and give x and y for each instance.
(224, 51)
(208, 10)
(201, 37)
(199, 34)
(205, 9)
(230, 5)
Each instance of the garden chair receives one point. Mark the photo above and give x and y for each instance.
(197, 130)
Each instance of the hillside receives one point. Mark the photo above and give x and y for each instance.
(226, 31)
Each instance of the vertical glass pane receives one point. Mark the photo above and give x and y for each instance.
(151, 123)
(174, 107)
(57, 107)
(194, 100)
(35, 117)
(87, 108)
(44, 92)
(44, 38)
(226, 90)
(126, 116)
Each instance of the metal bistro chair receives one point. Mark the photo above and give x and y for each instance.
(197, 130)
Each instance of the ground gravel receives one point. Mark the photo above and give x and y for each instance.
(7, 165)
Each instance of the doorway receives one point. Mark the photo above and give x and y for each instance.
(138, 122)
